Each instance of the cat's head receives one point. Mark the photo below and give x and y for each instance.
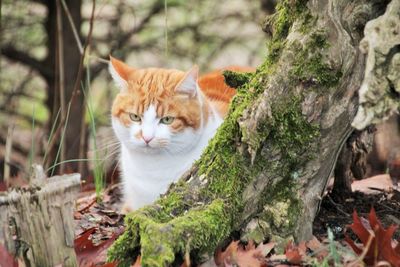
(156, 109)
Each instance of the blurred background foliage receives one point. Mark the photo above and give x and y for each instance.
(41, 54)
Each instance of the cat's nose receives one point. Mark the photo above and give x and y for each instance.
(147, 139)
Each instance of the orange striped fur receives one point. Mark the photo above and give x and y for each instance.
(216, 90)
(158, 87)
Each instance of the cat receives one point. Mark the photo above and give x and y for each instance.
(163, 119)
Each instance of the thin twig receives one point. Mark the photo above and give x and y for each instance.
(71, 22)
(32, 153)
(7, 155)
(87, 43)
(166, 28)
(77, 84)
(16, 147)
(61, 84)
(337, 206)
(364, 253)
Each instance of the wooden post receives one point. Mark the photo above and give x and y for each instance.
(36, 224)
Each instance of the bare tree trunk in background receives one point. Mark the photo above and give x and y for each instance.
(352, 162)
(265, 171)
(72, 58)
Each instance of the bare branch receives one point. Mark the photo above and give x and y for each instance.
(24, 58)
(16, 147)
(157, 7)
(12, 112)
(18, 90)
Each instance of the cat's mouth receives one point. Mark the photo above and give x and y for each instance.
(150, 147)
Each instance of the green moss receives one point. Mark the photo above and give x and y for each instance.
(291, 132)
(308, 23)
(290, 135)
(281, 208)
(309, 65)
(160, 242)
(236, 79)
(287, 12)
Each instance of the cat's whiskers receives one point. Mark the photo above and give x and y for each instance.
(111, 151)
(108, 149)
(111, 155)
(179, 112)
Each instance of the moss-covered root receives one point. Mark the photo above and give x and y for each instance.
(160, 242)
(236, 79)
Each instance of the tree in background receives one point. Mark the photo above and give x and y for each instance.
(49, 39)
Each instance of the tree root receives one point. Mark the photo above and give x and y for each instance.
(159, 242)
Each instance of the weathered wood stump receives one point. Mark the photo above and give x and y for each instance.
(36, 223)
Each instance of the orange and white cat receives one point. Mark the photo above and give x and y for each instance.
(163, 119)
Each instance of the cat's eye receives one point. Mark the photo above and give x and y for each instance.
(134, 117)
(167, 120)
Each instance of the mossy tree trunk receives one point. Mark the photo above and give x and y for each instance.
(270, 161)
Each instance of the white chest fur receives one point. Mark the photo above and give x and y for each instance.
(146, 176)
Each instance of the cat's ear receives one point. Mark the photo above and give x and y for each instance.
(119, 71)
(188, 85)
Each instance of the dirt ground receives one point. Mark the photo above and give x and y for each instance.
(336, 213)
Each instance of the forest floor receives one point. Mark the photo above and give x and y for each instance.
(99, 224)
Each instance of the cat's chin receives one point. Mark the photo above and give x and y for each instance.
(146, 149)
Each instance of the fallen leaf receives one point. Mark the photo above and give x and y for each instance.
(381, 182)
(319, 250)
(376, 243)
(249, 255)
(6, 259)
(294, 254)
(88, 254)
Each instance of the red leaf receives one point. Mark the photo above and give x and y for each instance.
(237, 255)
(90, 255)
(83, 242)
(359, 229)
(6, 259)
(294, 254)
(380, 247)
(350, 242)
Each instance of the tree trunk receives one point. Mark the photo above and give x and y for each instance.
(269, 163)
(72, 56)
(352, 162)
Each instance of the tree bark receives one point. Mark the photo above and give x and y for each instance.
(352, 162)
(71, 63)
(269, 163)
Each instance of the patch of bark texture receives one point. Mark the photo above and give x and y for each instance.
(263, 174)
(380, 90)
